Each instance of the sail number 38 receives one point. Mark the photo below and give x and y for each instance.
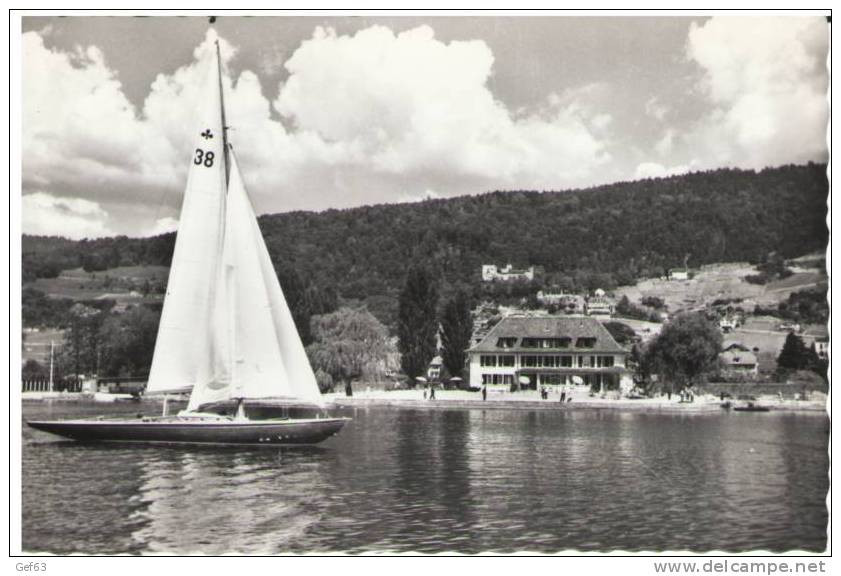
(203, 157)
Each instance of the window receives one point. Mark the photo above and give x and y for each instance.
(506, 342)
(566, 361)
(507, 360)
(606, 361)
(486, 360)
(529, 361)
(531, 342)
(506, 379)
(585, 342)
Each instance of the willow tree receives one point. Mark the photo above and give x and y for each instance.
(417, 325)
(686, 348)
(349, 343)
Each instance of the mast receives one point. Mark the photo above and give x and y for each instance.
(222, 105)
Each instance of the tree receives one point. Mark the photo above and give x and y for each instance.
(686, 348)
(79, 354)
(456, 330)
(349, 343)
(796, 356)
(34, 370)
(417, 325)
(127, 342)
(297, 297)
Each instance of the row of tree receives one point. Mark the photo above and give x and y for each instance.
(420, 325)
(105, 343)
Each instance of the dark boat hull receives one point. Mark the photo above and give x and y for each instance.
(178, 431)
(752, 409)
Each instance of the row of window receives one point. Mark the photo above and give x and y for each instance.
(506, 379)
(553, 361)
(492, 360)
(565, 342)
(545, 380)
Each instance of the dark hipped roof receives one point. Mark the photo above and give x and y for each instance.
(573, 327)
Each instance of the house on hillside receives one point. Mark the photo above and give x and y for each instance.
(679, 275)
(599, 305)
(490, 273)
(738, 359)
(818, 336)
(530, 352)
(727, 324)
(822, 347)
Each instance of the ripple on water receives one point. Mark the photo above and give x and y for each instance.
(432, 481)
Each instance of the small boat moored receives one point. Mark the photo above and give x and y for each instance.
(746, 403)
(751, 407)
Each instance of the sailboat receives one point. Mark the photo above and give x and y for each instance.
(226, 334)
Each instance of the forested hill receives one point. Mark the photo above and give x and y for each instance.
(604, 236)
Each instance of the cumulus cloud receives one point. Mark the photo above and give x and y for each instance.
(74, 218)
(655, 108)
(162, 226)
(665, 144)
(767, 80)
(655, 170)
(370, 117)
(410, 104)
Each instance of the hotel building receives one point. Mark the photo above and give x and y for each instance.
(527, 352)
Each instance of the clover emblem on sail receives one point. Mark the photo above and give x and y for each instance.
(207, 134)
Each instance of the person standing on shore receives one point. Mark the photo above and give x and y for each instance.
(563, 395)
(484, 393)
(432, 393)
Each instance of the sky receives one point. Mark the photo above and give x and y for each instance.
(335, 112)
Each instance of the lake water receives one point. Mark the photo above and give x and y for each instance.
(429, 481)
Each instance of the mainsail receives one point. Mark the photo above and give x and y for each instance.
(184, 350)
(226, 330)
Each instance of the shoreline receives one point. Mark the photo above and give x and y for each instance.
(460, 400)
(637, 406)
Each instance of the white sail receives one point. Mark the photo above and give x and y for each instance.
(185, 352)
(267, 357)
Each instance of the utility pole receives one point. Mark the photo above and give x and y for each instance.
(52, 349)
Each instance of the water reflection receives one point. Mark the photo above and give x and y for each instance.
(438, 480)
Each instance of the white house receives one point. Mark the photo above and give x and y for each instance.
(727, 324)
(599, 305)
(529, 352)
(737, 358)
(490, 273)
(434, 370)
